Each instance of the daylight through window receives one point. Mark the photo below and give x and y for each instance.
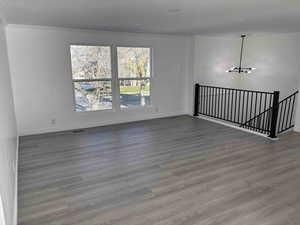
(134, 72)
(93, 78)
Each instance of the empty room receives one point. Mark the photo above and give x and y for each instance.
(158, 112)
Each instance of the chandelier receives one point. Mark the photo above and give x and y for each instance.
(241, 69)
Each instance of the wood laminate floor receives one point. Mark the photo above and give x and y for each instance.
(173, 171)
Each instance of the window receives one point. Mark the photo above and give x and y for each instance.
(93, 79)
(134, 73)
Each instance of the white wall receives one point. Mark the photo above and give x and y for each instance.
(41, 77)
(276, 57)
(8, 138)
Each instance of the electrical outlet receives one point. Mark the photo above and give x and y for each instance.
(53, 121)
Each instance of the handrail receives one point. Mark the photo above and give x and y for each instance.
(257, 116)
(263, 127)
(296, 92)
(255, 91)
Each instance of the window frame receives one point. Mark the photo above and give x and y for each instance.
(115, 80)
(150, 78)
(92, 80)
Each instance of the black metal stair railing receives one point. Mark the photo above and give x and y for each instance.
(255, 110)
(260, 123)
(233, 105)
(285, 117)
(286, 113)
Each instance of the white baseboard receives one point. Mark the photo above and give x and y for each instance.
(99, 124)
(235, 127)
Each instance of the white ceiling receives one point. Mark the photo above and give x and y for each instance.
(158, 16)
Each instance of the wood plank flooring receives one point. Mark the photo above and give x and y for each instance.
(173, 171)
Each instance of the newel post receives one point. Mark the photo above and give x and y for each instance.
(196, 102)
(274, 114)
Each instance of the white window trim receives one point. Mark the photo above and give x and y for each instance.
(150, 77)
(91, 80)
(115, 84)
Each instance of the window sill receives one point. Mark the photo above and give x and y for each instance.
(97, 111)
(132, 108)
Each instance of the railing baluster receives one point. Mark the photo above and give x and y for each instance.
(255, 104)
(239, 106)
(251, 104)
(288, 113)
(235, 104)
(247, 105)
(280, 115)
(269, 119)
(264, 117)
(211, 102)
(292, 113)
(202, 100)
(243, 104)
(259, 111)
(228, 104)
(215, 99)
(206, 100)
(221, 102)
(284, 114)
(225, 103)
(231, 114)
(218, 103)
(256, 123)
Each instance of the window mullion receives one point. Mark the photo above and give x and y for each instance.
(115, 81)
(91, 80)
(135, 78)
